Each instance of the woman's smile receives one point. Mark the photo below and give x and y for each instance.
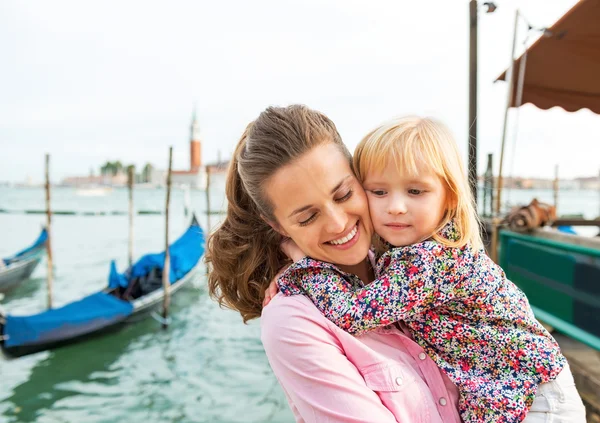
(348, 240)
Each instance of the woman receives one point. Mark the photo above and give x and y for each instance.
(291, 176)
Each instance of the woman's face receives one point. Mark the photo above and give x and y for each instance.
(319, 203)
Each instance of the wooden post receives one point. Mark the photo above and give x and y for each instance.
(555, 188)
(49, 274)
(473, 99)
(130, 186)
(207, 199)
(207, 206)
(495, 239)
(167, 266)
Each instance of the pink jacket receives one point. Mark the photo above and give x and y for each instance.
(331, 376)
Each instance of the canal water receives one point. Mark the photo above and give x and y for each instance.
(207, 367)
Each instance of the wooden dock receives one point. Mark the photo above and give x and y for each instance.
(585, 365)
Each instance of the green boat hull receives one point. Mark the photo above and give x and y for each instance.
(560, 274)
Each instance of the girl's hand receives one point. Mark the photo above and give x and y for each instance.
(291, 250)
(272, 289)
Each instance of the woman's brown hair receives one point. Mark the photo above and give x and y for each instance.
(243, 253)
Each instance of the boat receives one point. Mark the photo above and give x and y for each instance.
(559, 272)
(128, 297)
(19, 267)
(93, 191)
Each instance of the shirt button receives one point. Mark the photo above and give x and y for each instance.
(443, 401)
(422, 356)
(398, 381)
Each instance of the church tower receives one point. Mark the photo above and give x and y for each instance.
(195, 145)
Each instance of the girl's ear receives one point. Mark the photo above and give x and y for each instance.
(276, 227)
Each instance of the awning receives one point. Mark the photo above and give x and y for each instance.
(564, 69)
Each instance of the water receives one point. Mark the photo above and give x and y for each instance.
(207, 367)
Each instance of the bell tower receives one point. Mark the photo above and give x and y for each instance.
(195, 145)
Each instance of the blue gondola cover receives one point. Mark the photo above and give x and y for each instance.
(185, 254)
(23, 253)
(75, 319)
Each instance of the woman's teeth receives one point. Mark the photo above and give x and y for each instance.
(346, 238)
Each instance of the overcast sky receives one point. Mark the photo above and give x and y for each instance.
(105, 80)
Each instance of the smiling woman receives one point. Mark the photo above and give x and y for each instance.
(291, 176)
(332, 221)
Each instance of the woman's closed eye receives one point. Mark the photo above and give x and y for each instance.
(344, 197)
(309, 220)
(312, 217)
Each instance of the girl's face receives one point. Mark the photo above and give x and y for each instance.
(319, 203)
(405, 209)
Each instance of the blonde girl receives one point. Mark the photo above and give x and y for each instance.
(434, 275)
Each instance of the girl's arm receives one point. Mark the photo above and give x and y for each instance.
(306, 355)
(413, 280)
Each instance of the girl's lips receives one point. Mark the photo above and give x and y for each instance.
(396, 226)
(350, 243)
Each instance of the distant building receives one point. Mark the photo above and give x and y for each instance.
(195, 177)
(120, 179)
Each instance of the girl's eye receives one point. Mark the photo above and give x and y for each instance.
(309, 220)
(415, 191)
(344, 197)
(379, 192)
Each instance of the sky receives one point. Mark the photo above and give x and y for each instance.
(94, 81)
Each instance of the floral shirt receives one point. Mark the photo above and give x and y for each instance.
(472, 321)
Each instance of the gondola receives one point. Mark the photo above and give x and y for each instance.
(129, 297)
(19, 267)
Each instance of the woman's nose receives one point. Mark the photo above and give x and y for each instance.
(338, 220)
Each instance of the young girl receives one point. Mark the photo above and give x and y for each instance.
(435, 276)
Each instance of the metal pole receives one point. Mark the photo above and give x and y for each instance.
(508, 104)
(167, 266)
(49, 274)
(555, 188)
(473, 98)
(130, 187)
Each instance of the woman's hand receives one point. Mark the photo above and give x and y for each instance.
(272, 289)
(290, 249)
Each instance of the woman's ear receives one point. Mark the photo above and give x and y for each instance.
(276, 227)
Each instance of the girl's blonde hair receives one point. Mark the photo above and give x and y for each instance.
(411, 142)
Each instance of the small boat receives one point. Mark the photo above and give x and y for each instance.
(93, 191)
(18, 268)
(128, 297)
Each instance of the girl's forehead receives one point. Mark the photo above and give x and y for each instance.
(398, 169)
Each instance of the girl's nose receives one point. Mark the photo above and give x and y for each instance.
(396, 206)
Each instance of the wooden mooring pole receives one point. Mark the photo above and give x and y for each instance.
(207, 198)
(167, 266)
(49, 275)
(207, 206)
(130, 186)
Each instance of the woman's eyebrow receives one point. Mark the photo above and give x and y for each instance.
(304, 208)
(340, 184)
(300, 210)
